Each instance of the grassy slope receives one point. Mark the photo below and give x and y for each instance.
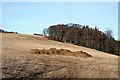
(17, 62)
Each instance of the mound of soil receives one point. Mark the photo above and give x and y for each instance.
(64, 52)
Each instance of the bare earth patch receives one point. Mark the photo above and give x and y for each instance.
(17, 62)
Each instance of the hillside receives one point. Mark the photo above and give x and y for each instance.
(17, 61)
(83, 35)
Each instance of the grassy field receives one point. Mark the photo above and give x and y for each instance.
(17, 62)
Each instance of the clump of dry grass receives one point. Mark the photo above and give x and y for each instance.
(34, 51)
(64, 52)
(81, 53)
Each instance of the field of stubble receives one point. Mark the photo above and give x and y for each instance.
(17, 62)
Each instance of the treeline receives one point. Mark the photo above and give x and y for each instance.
(84, 36)
(3, 31)
(37, 34)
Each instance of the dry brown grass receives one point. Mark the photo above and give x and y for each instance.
(17, 62)
(35, 51)
(64, 52)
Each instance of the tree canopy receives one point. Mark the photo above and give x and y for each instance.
(84, 36)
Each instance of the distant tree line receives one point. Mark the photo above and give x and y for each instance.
(84, 36)
(38, 34)
(3, 31)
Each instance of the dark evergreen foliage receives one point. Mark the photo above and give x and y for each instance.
(85, 36)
